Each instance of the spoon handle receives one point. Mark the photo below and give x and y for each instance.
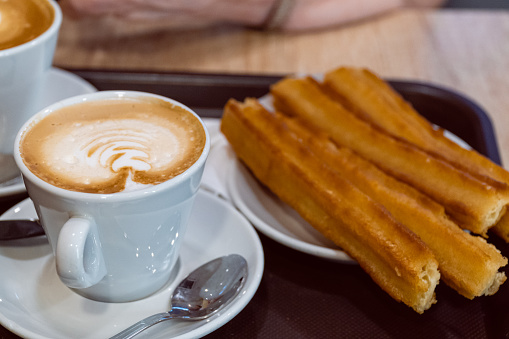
(142, 325)
(19, 229)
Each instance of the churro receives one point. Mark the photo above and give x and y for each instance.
(467, 263)
(395, 258)
(473, 204)
(374, 100)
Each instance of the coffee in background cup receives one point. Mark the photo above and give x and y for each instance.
(112, 244)
(114, 145)
(22, 21)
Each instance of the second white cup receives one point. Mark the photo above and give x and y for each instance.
(23, 70)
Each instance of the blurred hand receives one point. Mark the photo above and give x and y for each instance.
(171, 14)
(185, 14)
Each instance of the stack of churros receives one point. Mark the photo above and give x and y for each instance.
(395, 204)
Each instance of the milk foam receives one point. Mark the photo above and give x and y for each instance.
(106, 147)
(131, 185)
(113, 151)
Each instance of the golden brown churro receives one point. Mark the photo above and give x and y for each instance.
(474, 204)
(467, 263)
(395, 258)
(367, 171)
(373, 100)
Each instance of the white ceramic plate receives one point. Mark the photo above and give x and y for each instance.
(35, 304)
(60, 84)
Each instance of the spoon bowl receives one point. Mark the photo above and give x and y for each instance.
(203, 293)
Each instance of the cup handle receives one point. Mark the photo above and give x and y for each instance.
(79, 258)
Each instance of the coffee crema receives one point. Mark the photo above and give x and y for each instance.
(113, 145)
(23, 20)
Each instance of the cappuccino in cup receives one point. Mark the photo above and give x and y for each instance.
(113, 176)
(23, 20)
(113, 145)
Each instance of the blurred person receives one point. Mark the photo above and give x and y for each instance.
(130, 16)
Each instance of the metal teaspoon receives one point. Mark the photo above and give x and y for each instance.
(201, 294)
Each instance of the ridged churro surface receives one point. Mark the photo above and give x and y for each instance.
(373, 100)
(356, 161)
(467, 263)
(395, 258)
(475, 204)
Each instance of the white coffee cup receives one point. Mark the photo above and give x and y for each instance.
(23, 71)
(114, 247)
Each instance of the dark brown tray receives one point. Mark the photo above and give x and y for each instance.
(301, 296)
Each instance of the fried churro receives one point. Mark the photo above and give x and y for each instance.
(467, 263)
(395, 258)
(375, 101)
(472, 203)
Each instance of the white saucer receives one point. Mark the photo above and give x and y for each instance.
(60, 84)
(276, 219)
(35, 304)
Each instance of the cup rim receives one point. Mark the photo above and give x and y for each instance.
(110, 197)
(46, 35)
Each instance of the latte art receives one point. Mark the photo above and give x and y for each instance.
(117, 152)
(116, 144)
(23, 20)
(110, 147)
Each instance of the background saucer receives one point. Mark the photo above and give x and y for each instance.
(59, 85)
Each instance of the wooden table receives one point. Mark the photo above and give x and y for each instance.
(465, 50)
